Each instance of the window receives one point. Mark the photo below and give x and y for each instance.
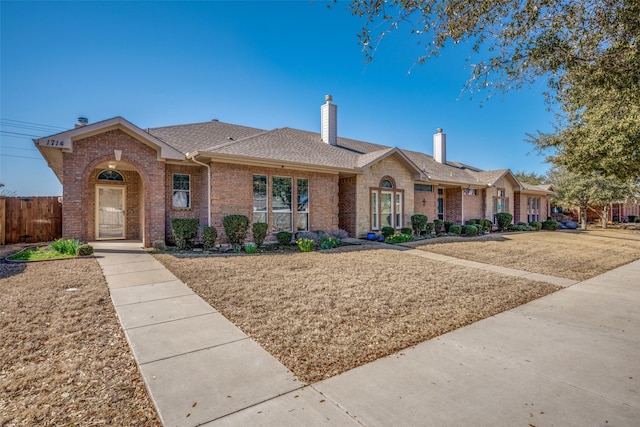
(110, 175)
(500, 203)
(423, 187)
(181, 191)
(440, 208)
(533, 209)
(303, 204)
(386, 205)
(259, 198)
(470, 192)
(440, 191)
(281, 203)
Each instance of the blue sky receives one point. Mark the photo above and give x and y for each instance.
(260, 64)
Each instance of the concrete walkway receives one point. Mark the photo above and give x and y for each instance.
(571, 358)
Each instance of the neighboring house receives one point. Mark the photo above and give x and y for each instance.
(123, 182)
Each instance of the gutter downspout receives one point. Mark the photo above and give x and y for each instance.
(192, 158)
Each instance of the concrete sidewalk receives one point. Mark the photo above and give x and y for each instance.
(570, 358)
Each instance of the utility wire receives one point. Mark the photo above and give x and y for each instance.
(30, 125)
(21, 157)
(11, 147)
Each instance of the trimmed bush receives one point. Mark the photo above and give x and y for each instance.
(185, 230)
(631, 218)
(284, 238)
(536, 225)
(259, 231)
(522, 223)
(486, 224)
(406, 230)
(209, 235)
(503, 219)
(549, 225)
(84, 250)
(418, 223)
(455, 229)
(428, 228)
(235, 227)
(471, 222)
(469, 230)
(437, 225)
(250, 248)
(447, 225)
(387, 231)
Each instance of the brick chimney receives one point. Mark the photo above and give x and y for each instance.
(329, 125)
(440, 147)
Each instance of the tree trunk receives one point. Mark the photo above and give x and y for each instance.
(583, 218)
(605, 216)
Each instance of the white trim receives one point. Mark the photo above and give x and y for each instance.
(124, 210)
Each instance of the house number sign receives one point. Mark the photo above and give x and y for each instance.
(54, 143)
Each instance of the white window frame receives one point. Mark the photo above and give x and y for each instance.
(258, 211)
(275, 213)
(302, 213)
(180, 191)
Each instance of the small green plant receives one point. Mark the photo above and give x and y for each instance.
(259, 231)
(329, 243)
(447, 225)
(418, 223)
(185, 230)
(503, 219)
(428, 228)
(469, 230)
(455, 229)
(387, 231)
(549, 225)
(209, 235)
(398, 238)
(250, 248)
(305, 245)
(235, 227)
(536, 225)
(84, 250)
(406, 230)
(284, 238)
(486, 224)
(65, 246)
(437, 225)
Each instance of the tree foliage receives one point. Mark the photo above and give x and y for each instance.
(586, 50)
(591, 191)
(530, 177)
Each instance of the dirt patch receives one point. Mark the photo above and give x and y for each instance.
(322, 314)
(63, 357)
(573, 255)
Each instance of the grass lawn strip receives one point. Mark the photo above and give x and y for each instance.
(572, 255)
(63, 357)
(322, 314)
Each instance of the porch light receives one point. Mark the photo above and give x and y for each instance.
(111, 165)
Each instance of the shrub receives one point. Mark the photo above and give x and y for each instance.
(437, 225)
(84, 250)
(209, 235)
(308, 235)
(338, 233)
(455, 229)
(251, 248)
(321, 234)
(447, 225)
(259, 231)
(329, 243)
(305, 245)
(486, 224)
(387, 231)
(235, 227)
(535, 225)
(398, 238)
(284, 238)
(549, 225)
(428, 228)
(471, 222)
(418, 223)
(406, 230)
(65, 246)
(631, 218)
(469, 230)
(185, 230)
(522, 223)
(503, 219)
(159, 245)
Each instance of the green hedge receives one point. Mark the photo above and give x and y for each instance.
(418, 223)
(535, 224)
(259, 231)
(455, 229)
(447, 225)
(428, 228)
(185, 230)
(209, 235)
(549, 225)
(437, 225)
(388, 231)
(284, 238)
(504, 220)
(469, 230)
(235, 227)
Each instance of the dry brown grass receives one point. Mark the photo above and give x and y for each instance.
(321, 314)
(63, 357)
(573, 255)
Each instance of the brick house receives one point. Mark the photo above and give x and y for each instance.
(124, 182)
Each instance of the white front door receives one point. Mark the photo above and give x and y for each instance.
(110, 212)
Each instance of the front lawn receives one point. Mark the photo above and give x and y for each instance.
(322, 314)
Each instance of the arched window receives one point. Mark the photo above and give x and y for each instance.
(387, 205)
(110, 175)
(386, 183)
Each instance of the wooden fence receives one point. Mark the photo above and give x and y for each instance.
(30, 219)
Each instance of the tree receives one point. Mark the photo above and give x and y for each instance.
(530, 178)
(587, 51)
(590, 192)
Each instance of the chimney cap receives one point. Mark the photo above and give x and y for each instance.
(83, 121)
(439, 130)
(328, 98)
